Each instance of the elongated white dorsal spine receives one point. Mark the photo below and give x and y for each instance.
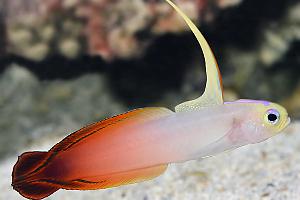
(213, 94)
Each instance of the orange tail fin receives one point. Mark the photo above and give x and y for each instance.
(25, 180)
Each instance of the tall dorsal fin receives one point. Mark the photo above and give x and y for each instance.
(213, 94)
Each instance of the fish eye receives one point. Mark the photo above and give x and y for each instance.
(273, 116)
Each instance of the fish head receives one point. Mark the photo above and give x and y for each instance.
(260, 120)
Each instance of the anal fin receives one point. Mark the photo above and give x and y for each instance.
(116, 179)
(135, 176)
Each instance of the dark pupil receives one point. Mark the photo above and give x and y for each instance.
(272, 117)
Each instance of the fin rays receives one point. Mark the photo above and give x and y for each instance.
(213, 94)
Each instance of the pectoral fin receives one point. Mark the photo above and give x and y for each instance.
(213, 94)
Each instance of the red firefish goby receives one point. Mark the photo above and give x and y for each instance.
(138, 145)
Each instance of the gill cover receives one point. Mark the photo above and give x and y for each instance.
(213, 94)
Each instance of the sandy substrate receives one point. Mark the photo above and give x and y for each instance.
(270, 170)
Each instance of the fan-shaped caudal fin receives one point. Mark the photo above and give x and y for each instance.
(22, 177)
(213, 94)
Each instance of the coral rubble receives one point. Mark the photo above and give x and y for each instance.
(102, 27)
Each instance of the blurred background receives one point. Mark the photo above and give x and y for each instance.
(67, 63)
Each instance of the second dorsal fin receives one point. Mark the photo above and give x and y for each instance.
(213, 94)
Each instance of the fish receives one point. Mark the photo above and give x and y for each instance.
(139, 145)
